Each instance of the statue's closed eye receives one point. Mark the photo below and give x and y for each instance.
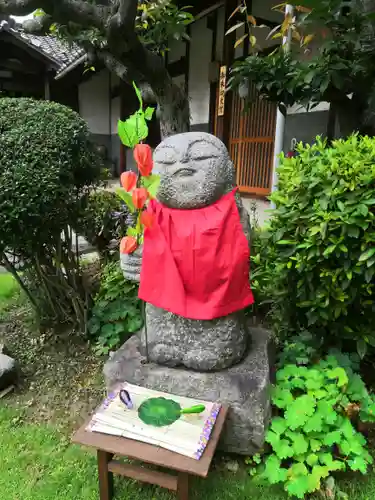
(201, 157)
(165, 158)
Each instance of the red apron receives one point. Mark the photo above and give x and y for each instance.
(196, 263)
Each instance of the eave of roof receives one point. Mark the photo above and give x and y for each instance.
(60, 54)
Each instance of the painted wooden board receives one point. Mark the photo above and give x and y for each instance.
(188, 435)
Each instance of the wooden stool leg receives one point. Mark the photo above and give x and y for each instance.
(183, 486)
(105, 477)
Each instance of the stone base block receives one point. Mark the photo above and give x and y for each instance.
(243, 387)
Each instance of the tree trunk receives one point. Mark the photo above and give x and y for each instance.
(173, 109)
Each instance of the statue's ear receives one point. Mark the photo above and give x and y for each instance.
(230, 173)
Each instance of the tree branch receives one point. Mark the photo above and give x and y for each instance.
(62, 11)
(123, 17)
(19, 7)
(124, 72)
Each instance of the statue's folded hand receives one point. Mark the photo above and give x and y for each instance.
(131, 264)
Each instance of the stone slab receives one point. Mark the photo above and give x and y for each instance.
(8, 371)
(243, 387)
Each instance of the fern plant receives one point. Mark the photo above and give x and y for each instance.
(117, 310)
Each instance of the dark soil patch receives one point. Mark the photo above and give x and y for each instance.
(61, 378)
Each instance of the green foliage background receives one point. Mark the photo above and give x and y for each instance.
(320, 242)
(117, 310)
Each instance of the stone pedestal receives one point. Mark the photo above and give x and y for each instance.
(243, 387)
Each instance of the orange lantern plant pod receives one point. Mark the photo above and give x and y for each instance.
(139, 197)
(147, 219)
(128, 180)
(143, 157)
(128, 244)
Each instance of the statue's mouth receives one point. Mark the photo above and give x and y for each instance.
(185, 172)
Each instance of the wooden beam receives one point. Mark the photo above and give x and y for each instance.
(213, 85)
(228, 58)
(143, 474)
(178, 68)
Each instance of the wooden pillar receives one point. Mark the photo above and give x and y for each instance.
(213, 20)
(224, 122)
(183, 486)
(105, 476)
(123, 116)
(47, 89)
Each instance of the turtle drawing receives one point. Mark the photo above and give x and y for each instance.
(161, 412)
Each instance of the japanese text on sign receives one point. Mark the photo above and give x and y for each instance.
(222, 86)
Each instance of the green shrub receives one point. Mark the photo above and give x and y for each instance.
(322, 235)
(98, 223)
(318, 406)
(117, 310)
(48, 165)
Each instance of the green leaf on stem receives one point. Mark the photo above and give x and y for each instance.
(126, 198)
(149, 112)
(151, 183)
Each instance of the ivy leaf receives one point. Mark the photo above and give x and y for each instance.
(325, 409)
(273, 439)
(299, 443)
(273, 471)
(312, 459)
(281, 398)
(108, 330)
(298, 486)
(356, 388)
(314, 479)
(327, 459)
(358, 464)
(278, 425)
(347, 429)
(340, 375)
(283, 449)
(331, 438)
(93, 325)
(314, 424)
(315, 444)
(299, 411)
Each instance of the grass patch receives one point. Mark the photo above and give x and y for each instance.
(37, 462)
(61, 384)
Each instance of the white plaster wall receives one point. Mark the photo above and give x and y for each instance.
(94, 102)
(115, 114)
(262, 208)
(199, 85)
(263, 8)
(176, 51)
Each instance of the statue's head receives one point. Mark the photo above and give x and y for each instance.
(195, 170)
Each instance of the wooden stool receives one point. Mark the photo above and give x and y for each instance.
(108, 446)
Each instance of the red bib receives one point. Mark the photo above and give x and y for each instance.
(196, 263)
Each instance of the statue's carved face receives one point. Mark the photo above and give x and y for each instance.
(195, 170)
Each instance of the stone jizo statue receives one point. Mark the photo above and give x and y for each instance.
(195, 258)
